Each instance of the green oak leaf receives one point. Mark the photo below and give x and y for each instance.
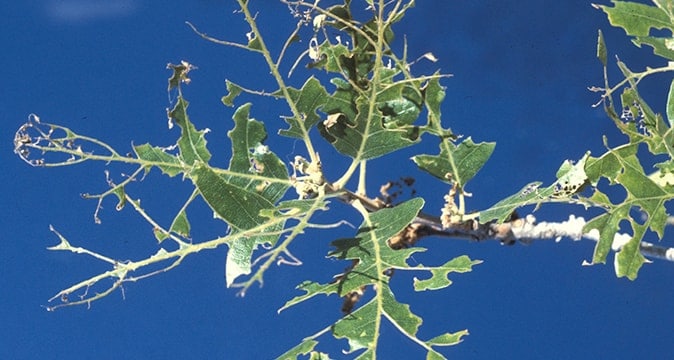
(238, 206)
(661, 46)
(438, 279)
(181, 224)
(601, 48)
(361, 329)
(192, 142)
(250, 156)
(304, 348)
(169, 164)
(375, 257)
(621, 166)
(571, 179)
(636, 19)
(456, 163)
(639, 19)
(447, 339)
(331, 56)
(179, 74)
(370, 247)
(308, 99)
(365, 137)
(434, 94)
(311, 289)
(234, 90)
(399, 102)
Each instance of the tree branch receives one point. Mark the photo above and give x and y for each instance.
(526, 230)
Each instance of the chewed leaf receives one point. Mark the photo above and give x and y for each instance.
(621, 166)
(241, 208)
(502, 210)
(571, 180)
(254, 42)
(304, 348)
(629, 259)
(192, 142)
(661, 46)
(234, 91)
(434, 94)
(637, 19)
(400, 314)
(447, 339)
(308, 100)
(365, 136)
(294, 208)
(439, 280)
(330, 56)
(181, 225)
(399, 103)
(179, 75)
(238, 206)
(361, 331)
(366, 124)
(168, 163)
(250, 156)
(369, 245)
(601, 48)
(266, 181)
(456, 164)
(311, 290)
(239, 256)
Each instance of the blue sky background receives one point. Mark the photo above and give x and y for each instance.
(521, 71)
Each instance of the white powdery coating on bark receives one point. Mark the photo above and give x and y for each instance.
(572, 228)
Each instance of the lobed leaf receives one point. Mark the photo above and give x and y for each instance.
(192, 142)
(434, 95)
(456, 163)
(308, 100)
(622, 166)
(368, 124)
(250, 156)
(447, 339)
(370, 248)
(439, 280)
(234, 91)
(365, 136)
(179, 75)
(311, 290)
(361, 328)
(661, 46)
(238, 206)
(636, 19)
(331, 58)
(306, 347)
(639, 19)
